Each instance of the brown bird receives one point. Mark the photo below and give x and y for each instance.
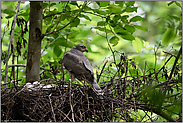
(78, 66)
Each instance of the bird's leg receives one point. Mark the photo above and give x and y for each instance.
(70, 100)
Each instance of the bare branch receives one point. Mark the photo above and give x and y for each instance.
(177, 58)
(52, 108)
(69, 22)
(12, 35)
(23, 65)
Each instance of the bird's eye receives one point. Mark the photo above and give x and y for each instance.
(83, 47)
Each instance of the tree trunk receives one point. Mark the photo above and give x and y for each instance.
(34, 45)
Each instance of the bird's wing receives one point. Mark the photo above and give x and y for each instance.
(81, 67)
(87, 64)
(74, 64)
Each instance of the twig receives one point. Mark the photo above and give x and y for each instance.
(61, 15)
(23, 65)
(70, 21)
(174, 65)
(13, 60)
(165, 63)
(52, 14)
(95, 14)
(52, 107)
(12, 35)
(102, 71)
(65, 115)
(155, 53)
(109, 44)
(71, 100)
(49, 44)
(12, 81)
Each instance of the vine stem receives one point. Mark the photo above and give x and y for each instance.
(12, 35)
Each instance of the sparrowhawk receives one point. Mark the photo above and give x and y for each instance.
(78, 66)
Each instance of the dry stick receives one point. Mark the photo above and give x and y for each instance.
(12, 35)
(155, 54)
(102, 71)
(13, 61)
(70, 100)
(165, 63)
(177, 58)
(23, 65)
(13, 55)
(65, 115)
(12, 81)
(13, 58)
(52, 107)
(170, 58)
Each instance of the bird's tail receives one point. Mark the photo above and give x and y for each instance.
(96, 88)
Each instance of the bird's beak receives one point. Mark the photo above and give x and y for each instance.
(86, 50)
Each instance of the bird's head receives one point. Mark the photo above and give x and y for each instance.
(81, 48)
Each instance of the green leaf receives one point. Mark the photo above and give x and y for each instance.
(73, 34)
(86, 17)
(130, 3)
(9, 12)
(126, 36)
(116, 17)
(9, 16)
(52, 4)
(120, 3)
(102, 12)
(114, 40)
(47, 20)
(75, 23)
(136, 18)
(62, 42)
(57, 51)
(131, 9)
(120, 29)
(63, 17)
(100, 23)
(168, 36)
(112, 23)
(74, 3)
(178, 4)
(49, 28)
(114, 9)
(45, 5)
(67, 8)
(58, 42)
(141, 28)
(103, 3)
(137, 44)
(124, 18)
(102, 29)
(129, 28)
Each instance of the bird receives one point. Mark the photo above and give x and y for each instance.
(78, 66)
